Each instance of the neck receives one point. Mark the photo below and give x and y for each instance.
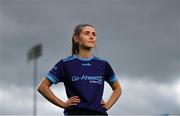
(85, 53)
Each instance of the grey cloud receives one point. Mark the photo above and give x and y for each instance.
(143, 34)
(141, 97)
(147, 98)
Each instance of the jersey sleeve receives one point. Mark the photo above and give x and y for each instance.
(110, 76)
(56, 74)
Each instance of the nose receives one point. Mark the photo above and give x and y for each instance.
(91, 37)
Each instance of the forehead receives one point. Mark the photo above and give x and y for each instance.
(89, 28)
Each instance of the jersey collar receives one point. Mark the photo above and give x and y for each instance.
(83, 59)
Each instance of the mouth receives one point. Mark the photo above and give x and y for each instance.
(91, 42)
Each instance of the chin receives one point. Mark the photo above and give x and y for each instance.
(89, 47)
(92, 46)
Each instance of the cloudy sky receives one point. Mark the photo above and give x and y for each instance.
(140, 39)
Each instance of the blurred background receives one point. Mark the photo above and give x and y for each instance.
(139, 38)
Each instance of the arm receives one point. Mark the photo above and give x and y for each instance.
(117, 91)
(44, 90)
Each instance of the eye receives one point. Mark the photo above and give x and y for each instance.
(93, 33)
(86, 32)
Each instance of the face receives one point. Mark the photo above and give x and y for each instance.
(87, 37)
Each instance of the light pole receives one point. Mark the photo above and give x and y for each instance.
(33, 54)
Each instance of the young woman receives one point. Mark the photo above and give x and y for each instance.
(83, 75)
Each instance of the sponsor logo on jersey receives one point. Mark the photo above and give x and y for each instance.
(91, 79)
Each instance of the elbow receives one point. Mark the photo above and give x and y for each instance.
(44, 84)
(39, 88)
(119, 91)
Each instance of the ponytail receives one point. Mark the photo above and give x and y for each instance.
(75, 47)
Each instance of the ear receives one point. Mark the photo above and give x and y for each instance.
(76, 40)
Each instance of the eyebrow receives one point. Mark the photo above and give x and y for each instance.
(89, 32)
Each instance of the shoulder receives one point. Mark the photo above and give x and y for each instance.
(104, 61)
(68, 58)
(100, 59)
(65, 59)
